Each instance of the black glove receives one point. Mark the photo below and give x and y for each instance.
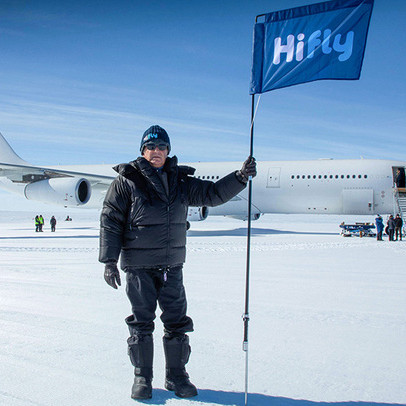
(112, 275)
(249, 168)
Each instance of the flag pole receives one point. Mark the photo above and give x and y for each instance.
(247, 272)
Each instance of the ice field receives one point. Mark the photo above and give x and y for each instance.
(328, 315)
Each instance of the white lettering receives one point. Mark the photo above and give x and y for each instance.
(314, 44)
(288, 49)
(300, 47)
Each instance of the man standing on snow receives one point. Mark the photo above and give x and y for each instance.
(144, 220)
(41, 222)
(391, 227)
(379, 227)
(37, 223)
(53, 223)
(398, 227)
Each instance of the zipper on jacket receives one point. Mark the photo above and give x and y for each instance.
(167, 232)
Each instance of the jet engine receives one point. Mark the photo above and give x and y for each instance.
(69, 192)
(197, 213)
(254, 216)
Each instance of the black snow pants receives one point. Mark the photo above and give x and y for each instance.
(148, 287)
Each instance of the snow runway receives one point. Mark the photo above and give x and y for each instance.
(328, 316)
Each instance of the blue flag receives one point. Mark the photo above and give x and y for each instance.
(319, 41)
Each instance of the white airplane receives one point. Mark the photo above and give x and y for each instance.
(325, 186)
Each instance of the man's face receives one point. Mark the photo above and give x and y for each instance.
(154, 154)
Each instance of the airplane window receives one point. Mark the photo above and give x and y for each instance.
(353, 176)
(348, 176)
(303, 177)
(319, 176)
(203, 177)
(314, 176)
(359, 176)
(325, 176)
(308, 176)
(293, 177)
(298, 177)
(342, 176)
(218, 177)
(365, 176)
(336, 176)
(331, 176)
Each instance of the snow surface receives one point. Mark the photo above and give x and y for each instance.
(328, 315)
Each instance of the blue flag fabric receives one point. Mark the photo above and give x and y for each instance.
(303, 44)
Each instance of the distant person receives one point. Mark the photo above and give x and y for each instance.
(379, 227)
(41, 222)
(143, 221)
(37, 223)
(68, 218)
(53, 223)
(391, 227)
(400, 178)
(398, 227)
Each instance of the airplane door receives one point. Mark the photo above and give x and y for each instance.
(273, 177)
(358, 201)
(399, 178)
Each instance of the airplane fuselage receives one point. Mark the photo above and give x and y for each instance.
(327, 186)
(319, 186)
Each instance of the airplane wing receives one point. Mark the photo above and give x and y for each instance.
(67, 186)
(25, 173)
(17, 170)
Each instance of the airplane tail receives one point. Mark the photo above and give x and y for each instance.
(7, 154)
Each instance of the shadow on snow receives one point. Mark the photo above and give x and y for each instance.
(238, 232)
(42, 236)
(254, 231)
(160, 397)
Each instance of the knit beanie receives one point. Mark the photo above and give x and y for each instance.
(157, 135)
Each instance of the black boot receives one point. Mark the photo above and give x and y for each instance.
(141, 352)
(177, 352)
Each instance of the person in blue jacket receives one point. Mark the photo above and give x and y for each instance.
(379, 227)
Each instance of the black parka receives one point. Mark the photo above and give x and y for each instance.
(147, 225)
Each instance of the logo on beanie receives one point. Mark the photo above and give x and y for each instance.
(150, 136)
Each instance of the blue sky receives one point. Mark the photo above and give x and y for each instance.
(81, 81)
